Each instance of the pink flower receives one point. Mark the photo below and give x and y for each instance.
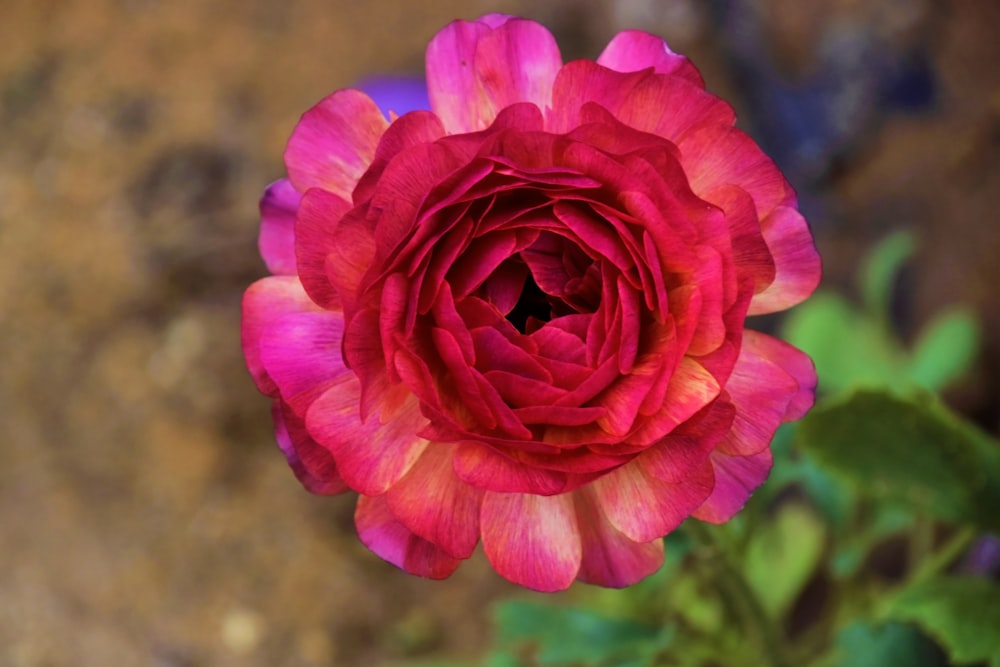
(519, 318)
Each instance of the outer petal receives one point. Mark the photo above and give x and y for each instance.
(265, 301)
(436, 505)
(301, 353)
(634, 50)
(334, 143)
(736, 478)
(532, 540)
(371, 456)
(644, 508)
(475, 69)
(772, 382)
(381, 532)
(796, 262)
(609, 557)
(278, 207)
(312, 464)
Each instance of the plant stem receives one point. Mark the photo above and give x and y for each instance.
(730, 580)
(943, 557)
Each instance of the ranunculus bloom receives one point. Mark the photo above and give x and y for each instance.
(518, 318)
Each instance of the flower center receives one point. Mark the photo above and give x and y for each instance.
(533, 303)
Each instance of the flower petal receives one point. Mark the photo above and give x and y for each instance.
(381, 532)
(482, 466)
(301, 353)
(265, 301)
(634, 50)
(312, 463)
(474, 70)
(796, 262)
(609, 557)
(532, 540)
(334, 143)
(736, 478)
(327, 246)
(371, 456)
(435, 504)
(276, 242)
(644, 508)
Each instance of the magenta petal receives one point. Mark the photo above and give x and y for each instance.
(435, 504)
(796, 262)
(371, 456)
(634, 50)
(278, 207)
(609, 557)
(482, 466)
(532, 540)
(381, 532)
(264, 302)
(328, 247)
(334, 143)
(736, 478)
(301, 353)
(644, 508)
(475, 69)
(312, 463)
(771, 383)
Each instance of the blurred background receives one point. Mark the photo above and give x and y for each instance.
(146, 517)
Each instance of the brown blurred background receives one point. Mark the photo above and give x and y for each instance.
(146, 516)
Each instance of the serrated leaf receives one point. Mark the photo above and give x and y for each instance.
(945, 349)
(862, 644)
(909, 449)
(849, 350)
(576, 636)
(961, 613)
(880, 268)
(782, 555)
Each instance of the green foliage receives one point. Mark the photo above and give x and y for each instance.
(961, 613)
(863, 644)
(856, 347)
(945, 348)
(562, 636)
(782, 555)
(878, 272)
(912, 450)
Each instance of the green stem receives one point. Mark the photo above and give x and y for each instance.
(943, 557)
(730, 580)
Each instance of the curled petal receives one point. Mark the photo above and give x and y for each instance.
(276, 242)
(334, 143)
(736, 478)
(644, 508)
(391, 541)
(433, 502)
(771, 383)
(475, 69)
(312, 463)
(532, 540)
(796, 262)
(609, 557)
(371, 456)
(264, 302)
(634, 50)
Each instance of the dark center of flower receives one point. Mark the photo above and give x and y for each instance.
(533, 303)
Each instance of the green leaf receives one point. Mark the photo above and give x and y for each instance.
(962, 613)
(849, 349)
(945, 349)
(861, 644)
(880, 268)
(782, 555)
(910, 449)
(575, 636)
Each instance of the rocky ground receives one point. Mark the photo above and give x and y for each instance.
(146, 517)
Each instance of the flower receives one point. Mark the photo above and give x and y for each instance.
(518, 318)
